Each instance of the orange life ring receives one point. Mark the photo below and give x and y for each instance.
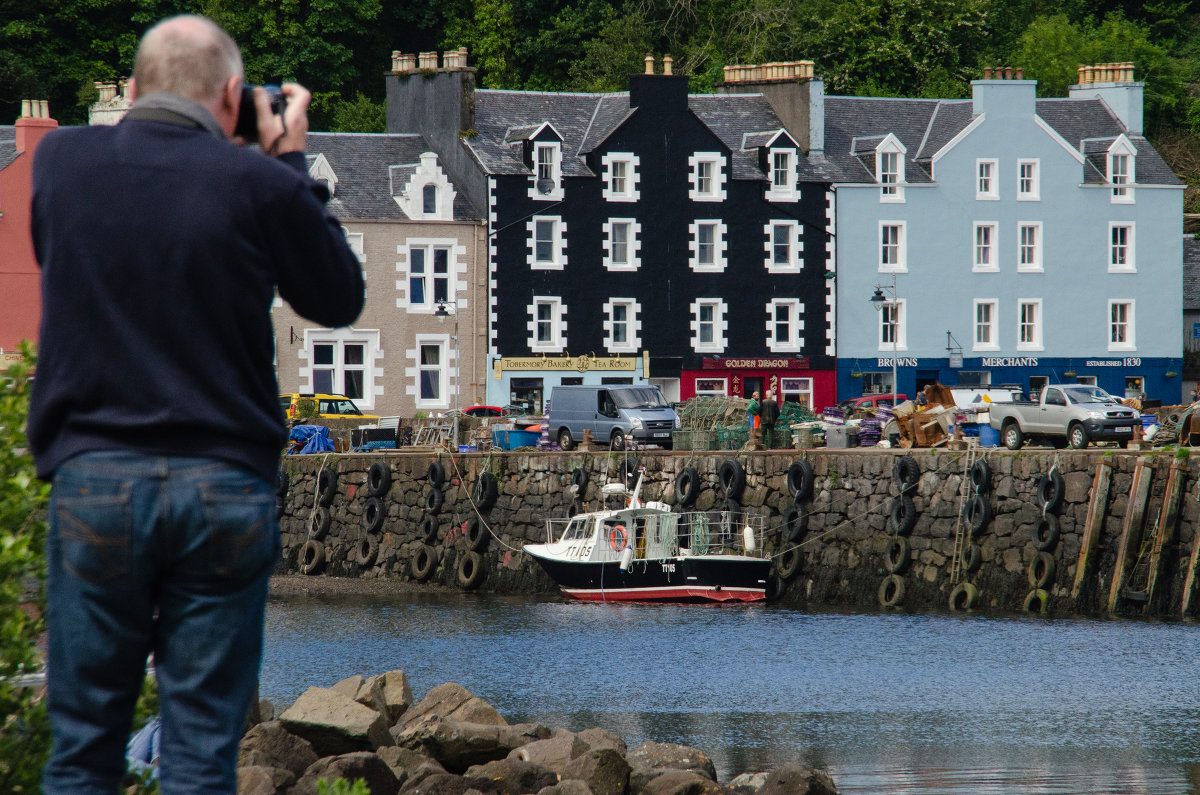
(618, 539)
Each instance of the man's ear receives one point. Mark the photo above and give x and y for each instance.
(231, 95)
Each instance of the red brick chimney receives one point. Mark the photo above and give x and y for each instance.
(33, 124)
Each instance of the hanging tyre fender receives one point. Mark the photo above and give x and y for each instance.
(732, 477)
(318, 526)
(788, 563)
(979, 515)
(628, 470)
(423, 562)
(470, 570)
(486, 491)
(1045, 533)
(436, 474)
(326, 486)
(800, 479)
(891, 591)
(428, 529)
(312, 557)
(379, 479)
(687, 486)
(1035, 601)
(971, 558)
(579, 481)
(1050, 491)
(963, 596)
(897, 555)
(1041, 570)
(903, 516)
(364, 553)
(906, 472)
(373, 514)
(573, 509)
(477, 534)
(434, 500)
(795, 523)
(981, 477)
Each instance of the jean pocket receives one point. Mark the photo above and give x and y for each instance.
(94, 525)
(242, 536)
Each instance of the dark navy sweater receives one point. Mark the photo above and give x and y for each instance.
(161, 247)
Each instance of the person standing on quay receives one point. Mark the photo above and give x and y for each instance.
(155, 412)
(752, 410)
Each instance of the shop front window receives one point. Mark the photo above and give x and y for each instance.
(526, 395)
(877, 383)
(797, 390)
(712, 387)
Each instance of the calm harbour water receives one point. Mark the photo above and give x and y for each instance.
(890, 703)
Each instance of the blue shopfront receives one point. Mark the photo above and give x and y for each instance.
(1123, 376)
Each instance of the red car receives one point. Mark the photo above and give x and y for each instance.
(483, 411)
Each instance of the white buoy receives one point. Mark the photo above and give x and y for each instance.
(627, 558)
(748, 535)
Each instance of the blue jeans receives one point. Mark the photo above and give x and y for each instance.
(165, 555)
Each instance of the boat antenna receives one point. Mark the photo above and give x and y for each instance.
(634, 501)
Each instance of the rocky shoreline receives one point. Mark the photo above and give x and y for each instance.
(453, 743)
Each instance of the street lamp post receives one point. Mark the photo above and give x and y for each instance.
(441, 314)
(880, 301)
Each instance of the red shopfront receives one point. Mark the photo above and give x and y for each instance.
(788, 376)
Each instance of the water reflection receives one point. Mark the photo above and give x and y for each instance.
(889, 702)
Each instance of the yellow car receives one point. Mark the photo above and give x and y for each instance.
(328, 406)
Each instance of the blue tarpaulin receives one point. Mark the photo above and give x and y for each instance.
(142, 751)
(315, 438)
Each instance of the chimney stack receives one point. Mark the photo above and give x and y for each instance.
(33, 125)
(1114, 84)
(793, 91)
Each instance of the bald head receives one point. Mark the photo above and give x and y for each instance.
(186, 55)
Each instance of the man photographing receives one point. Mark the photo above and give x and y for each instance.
(155, 412)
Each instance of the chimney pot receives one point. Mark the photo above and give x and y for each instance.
(1020, 73)
(668, 62)
(26, 109)
(43, 108)
(1008, 72)
(649, 64)
(987, 73)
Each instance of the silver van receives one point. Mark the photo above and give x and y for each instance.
(613, 413)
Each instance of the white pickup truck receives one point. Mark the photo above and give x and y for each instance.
(1074, 414)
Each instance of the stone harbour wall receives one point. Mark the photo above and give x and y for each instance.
(848, 555)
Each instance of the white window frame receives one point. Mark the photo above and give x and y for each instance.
(1130, 342)
(455, 270)
(633, 244)
(719, 326)
(558, 243)
(899, 307)
(790, 191)
(631, 161)
(987, 179)
(355, 241)
(633, 325)
(801, 387)
(795, 252)
(901, 264)
(1130, 264)
(716, 192)
(442, 342)
(891, 182)
(558, 324)
(985, 237)
(1037, 341)
(1033, 191)
(554, 149)
(992, 324)
(711, 388)
(793, 322)
(720, 244)
(1122, 152)
(1034, 251)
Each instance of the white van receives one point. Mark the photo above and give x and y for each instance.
(613, 413)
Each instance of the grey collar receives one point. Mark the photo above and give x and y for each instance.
(189, 109)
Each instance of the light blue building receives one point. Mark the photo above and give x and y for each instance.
(1027, 241)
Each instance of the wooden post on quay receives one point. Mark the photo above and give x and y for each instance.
(1093, 525)
(1168, 522)
(1131, 529)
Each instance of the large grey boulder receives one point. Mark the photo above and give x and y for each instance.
(389, 694)
(358, 765)
(553, 753)
(793, 779)
(335, 723)
(458, 744)
(271, 745)
(444, 784)
(605, 771)
(456, 702)
(510, 777)
(407, 764)
(571, 786)
(603, 738)
(259, 780)
(349, 686)
(682, 782)
(650, 759)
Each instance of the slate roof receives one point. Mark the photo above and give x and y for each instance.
(1191, 273)
(8, 145)
(504, 118)
(925, 126)
(367, 180)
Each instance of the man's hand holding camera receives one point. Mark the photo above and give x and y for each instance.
(279, 115)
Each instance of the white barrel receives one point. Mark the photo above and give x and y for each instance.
(626, 558)
(748, 535)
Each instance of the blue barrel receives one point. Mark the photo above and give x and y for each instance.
(988, 436)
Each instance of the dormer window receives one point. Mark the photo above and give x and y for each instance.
(547, 171)
(1121, 170)
(422, 190)
(781, 165)
(429, 200)
(889, 169)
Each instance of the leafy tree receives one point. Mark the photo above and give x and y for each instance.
(24, 728)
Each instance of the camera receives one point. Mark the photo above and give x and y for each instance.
(247, 120)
